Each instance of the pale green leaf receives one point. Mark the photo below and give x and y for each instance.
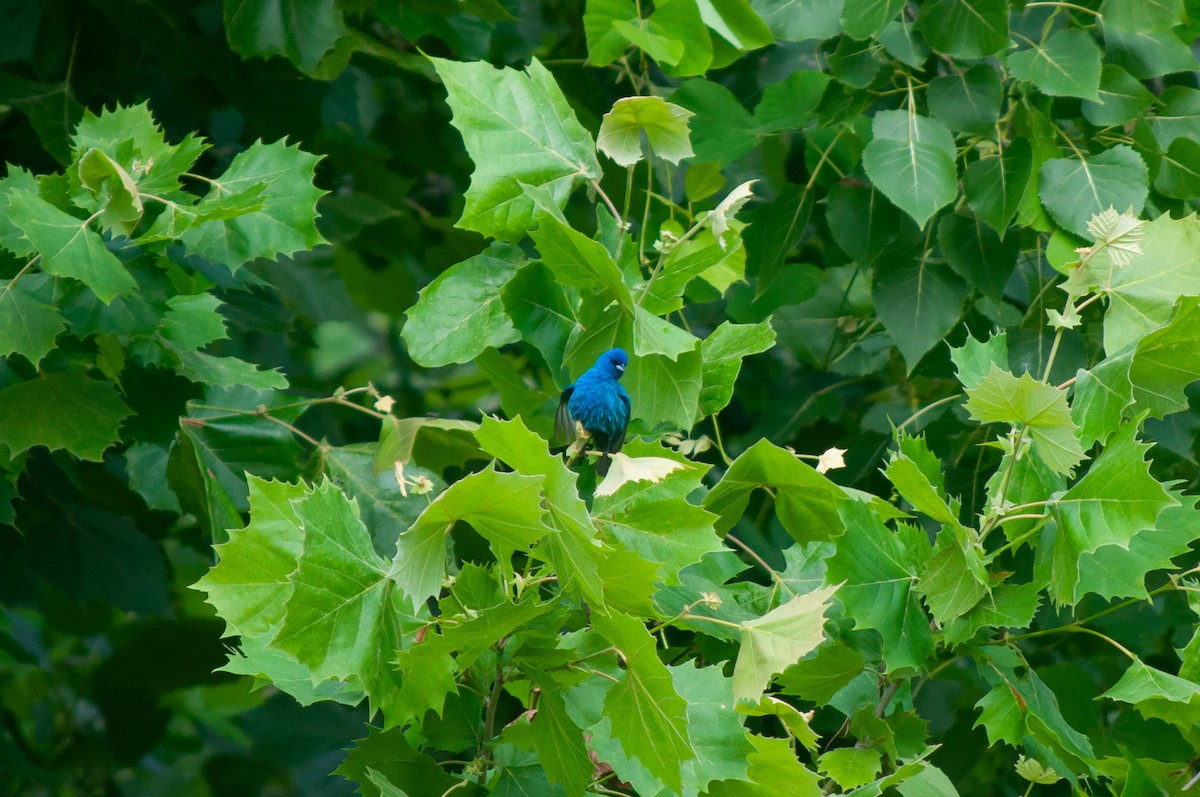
(723, 352)
(625, 470)
(778, 639)
(665, 127)
(851, 766)
(974, 359)
(578, 261)
(1038, 407)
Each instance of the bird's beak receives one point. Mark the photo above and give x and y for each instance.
(620, 368)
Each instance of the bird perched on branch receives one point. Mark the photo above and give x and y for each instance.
(598, 403)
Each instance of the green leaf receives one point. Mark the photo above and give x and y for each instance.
(791, 717)
(866, 18)
(851, 767)
(965, 28)
(109, 190)
(1066, 65)
(1121, 97)
(916, 474)
(344, 617)
(1158, 695)
(953, 582)
(543, 311)
(918, 303)
(716, 734)
(665, 127)
(994, 186)
(775, 231)
(654, 521)
(1004, 606)
(65, 410)
(550, 150)
(604, 42)
(68, 247)
(665, 392)
(1168, 360)
(192, 321)
(434, 443)
(227, 371)
(644, 704)
(131, 137)
(281, 178)
(28, 326)
(281, 671)
(388, 753)
(1178, 117)
(974, 359)
(774, 769)
(791, 102)
(967, 101)
(1119, 571)
(911, 160)
(505, 508)
(579, 261)
(1142, 295)
(880, 572)
(1140, 15)
(1102, 393)
(1115, 499)
(723, 351)
(560, 744)
(654, 335)
(1040, 408)
(1179, 170)
(722, 129)
(818, 678)
(249, 584)
(778, 639)
(977, 254)
(798, 20)
(625, 469)
(460, 313)
(806, 502)
(301, 31)
(1073, 190)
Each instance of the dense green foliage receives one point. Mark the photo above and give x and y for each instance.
(279, 380)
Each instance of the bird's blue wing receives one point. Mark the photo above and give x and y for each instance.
(618, 438)
(564, 423)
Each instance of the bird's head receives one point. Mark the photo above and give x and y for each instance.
(613, 362)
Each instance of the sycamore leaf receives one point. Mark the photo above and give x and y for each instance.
(63, 410)
(505, 508)
(1115, 499)
(1143, 294)
(974, 359)
(28, 326)
(249, 584)
(879, 571)
(280, 178)
(1158, 695)
(1119, 233)
(625, 469)
(778, 639)
(68, 246)
(806, 502)
(851, 767)
(664, 125)
(344, 616)
(460, 313)
(727, 208)
(518, 128)
(1166, 361)
(1040, 408)
(644, 704)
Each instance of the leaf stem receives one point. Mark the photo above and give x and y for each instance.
(928, 408)
(608, 202)
(778, 579)
(702, 618)
(1060, 4)
(645, 215)
(24, 269)
(1076, 628)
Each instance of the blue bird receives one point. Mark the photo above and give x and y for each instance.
(599, 403)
